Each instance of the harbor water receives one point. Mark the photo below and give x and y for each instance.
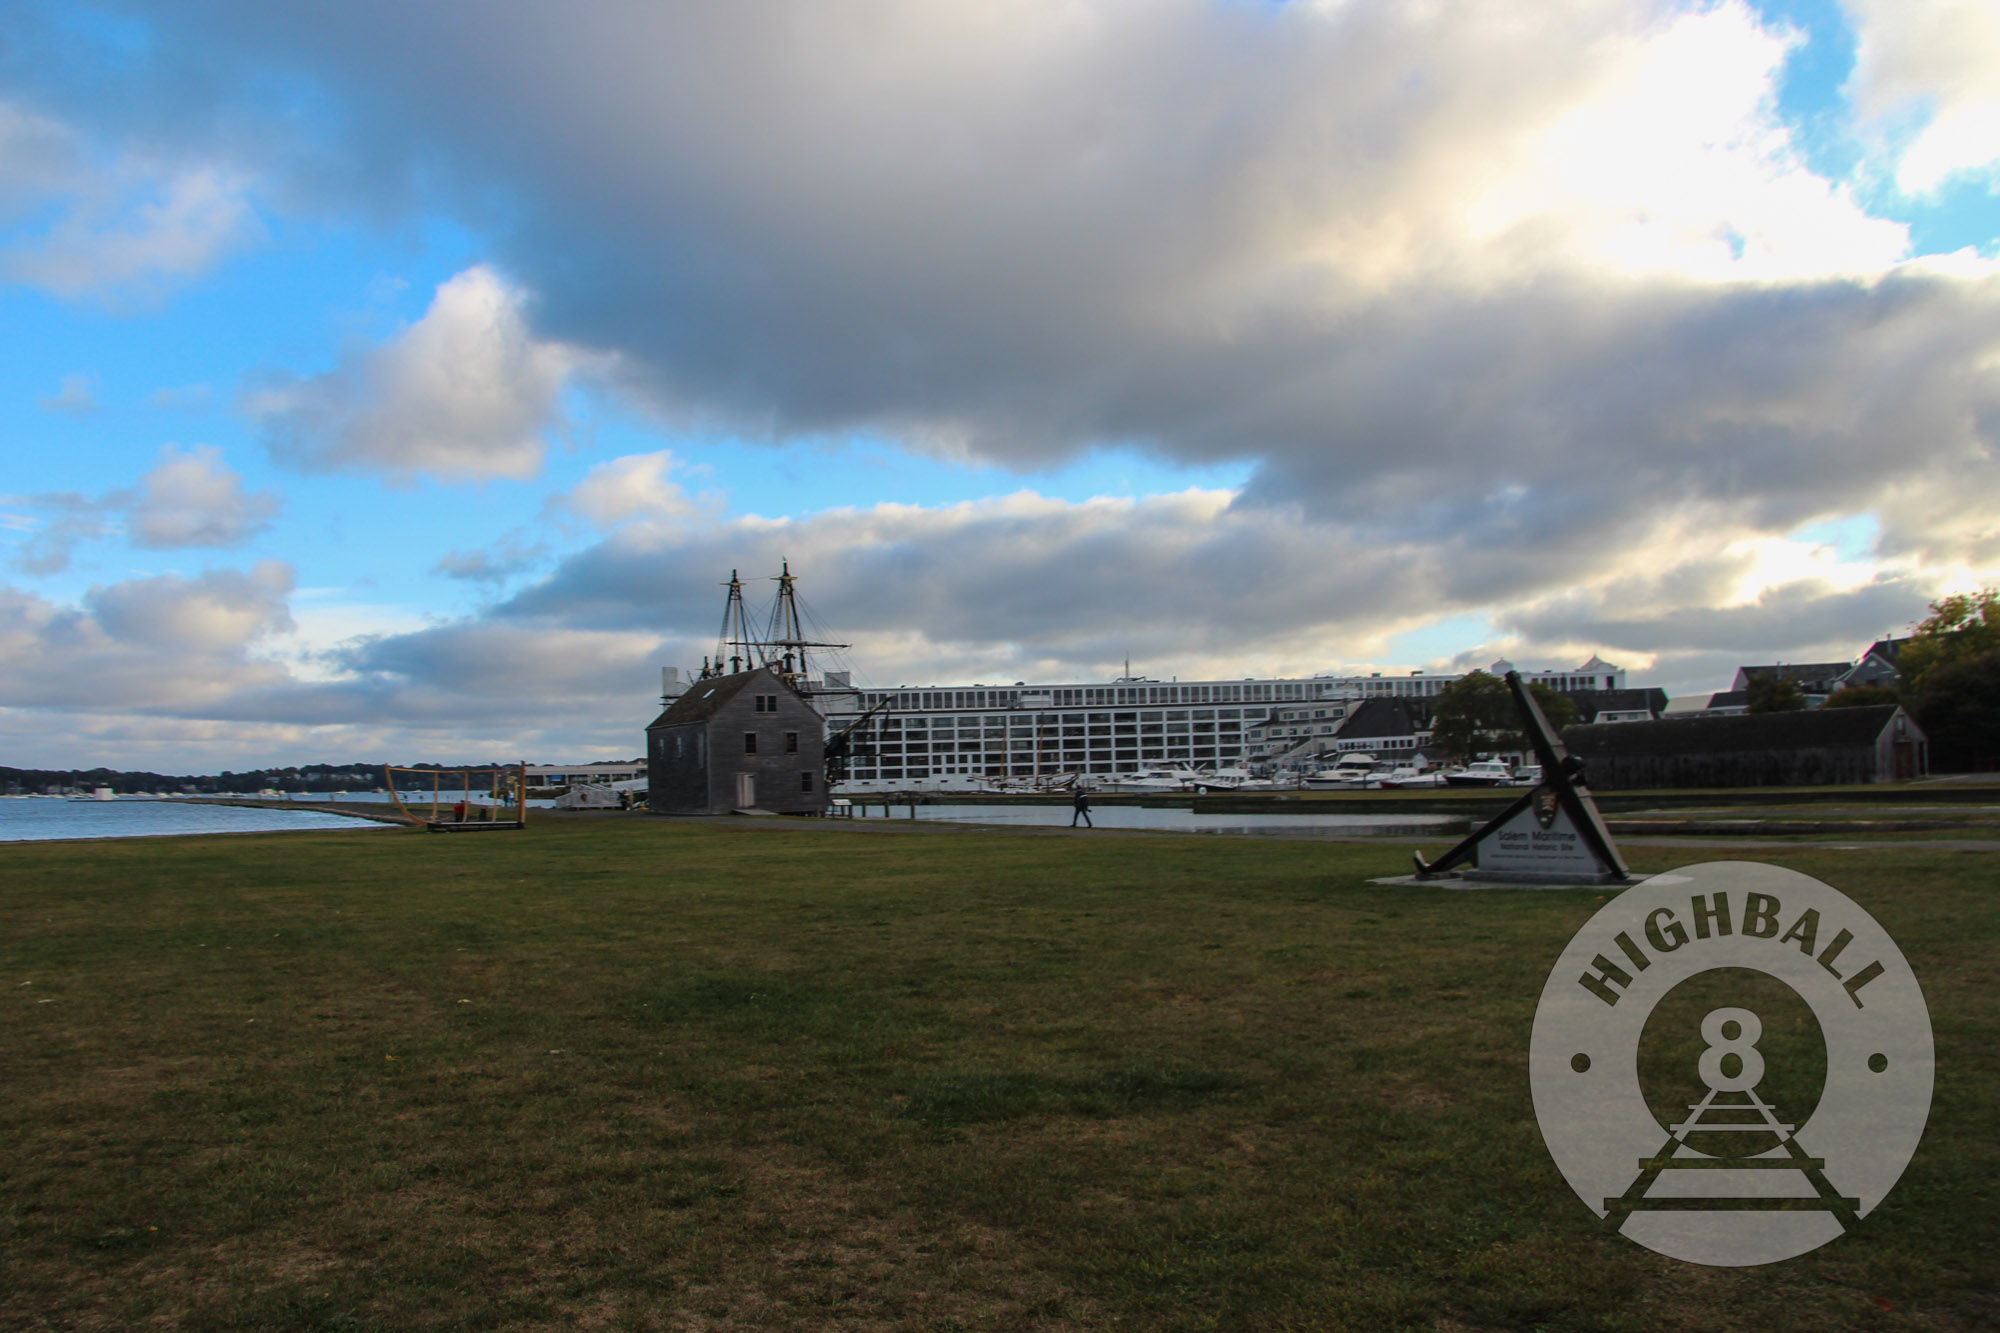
(1180, 819)
(40, 819)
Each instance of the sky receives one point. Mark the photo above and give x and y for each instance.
(402, 382)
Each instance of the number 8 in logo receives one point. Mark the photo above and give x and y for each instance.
(1722, 1044)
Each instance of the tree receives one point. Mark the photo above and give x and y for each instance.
(1862, 696)
(1959, 710)
(1774, 693)
(1958, 629)
(1476, 713)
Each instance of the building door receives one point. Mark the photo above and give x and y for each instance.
(1906, 759)
(746, 791)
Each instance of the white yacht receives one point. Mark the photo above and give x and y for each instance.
(1485, 773)
(1408, 776)
(1350, 770)
(1147, 781)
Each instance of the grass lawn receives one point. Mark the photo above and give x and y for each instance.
(644, 1074)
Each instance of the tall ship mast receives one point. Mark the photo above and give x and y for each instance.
(783, 646)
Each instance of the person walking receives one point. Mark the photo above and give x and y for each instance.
(1080, 805)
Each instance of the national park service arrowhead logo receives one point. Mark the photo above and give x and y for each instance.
(1731, 1064)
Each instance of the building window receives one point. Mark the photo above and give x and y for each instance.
(791, 742)
(749, 742)
(806, 781)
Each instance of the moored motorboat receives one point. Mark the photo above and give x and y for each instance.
(1485, 773)
(1349, 771)
(1147, 781)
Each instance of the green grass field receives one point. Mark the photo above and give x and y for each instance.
(642, 1074)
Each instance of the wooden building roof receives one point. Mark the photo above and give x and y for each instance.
(705, 698)
(1818, 727)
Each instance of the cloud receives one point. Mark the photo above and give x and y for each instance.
(192, 499)
(39, 156)
(1429, 267)
(76, 396)
(1018, 587)
(1533, 313)
(513, 554)
(221, 609)
(1932, 68)
(635, 486)
(1196, 585)
(465, 393)
(183, 398)
(118, 224)
(169, 643)
(71, 519)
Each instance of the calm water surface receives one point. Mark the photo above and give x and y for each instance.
(36, 819)
(1179, 819)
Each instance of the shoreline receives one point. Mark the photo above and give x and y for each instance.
(387, 815)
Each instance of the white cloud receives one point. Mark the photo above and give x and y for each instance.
(465, 393)
(109, 223)
(75, 396)
(220, 610)
(64, 521)
(1017, 587)
(1932, 68)
(168, 643)
(192, 499)
(1672, 163)
(635, 486)
(1024, 587)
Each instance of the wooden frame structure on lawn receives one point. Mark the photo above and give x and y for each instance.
(509, 788)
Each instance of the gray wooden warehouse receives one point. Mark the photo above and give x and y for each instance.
(746, 741)
(1821, 746)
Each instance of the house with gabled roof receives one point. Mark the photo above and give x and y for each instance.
(1880, 665)
(1389, 729)
(747, 741)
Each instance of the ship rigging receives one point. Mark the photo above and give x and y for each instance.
(783, 646)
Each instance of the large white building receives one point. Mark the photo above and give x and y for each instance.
(1025, 731)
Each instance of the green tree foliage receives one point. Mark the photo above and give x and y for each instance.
(1862, 696)
(1475, 714)
(1774, 694)
(1958, 629)
(1959, 709)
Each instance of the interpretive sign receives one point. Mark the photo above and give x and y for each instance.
(1552, 834)
(1731, 1064)
(1541, 843)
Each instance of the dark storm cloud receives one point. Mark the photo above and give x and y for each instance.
(1021, 576)
(1015, 232)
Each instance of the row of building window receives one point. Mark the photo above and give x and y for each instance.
(1065, 717)
(750, 741)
